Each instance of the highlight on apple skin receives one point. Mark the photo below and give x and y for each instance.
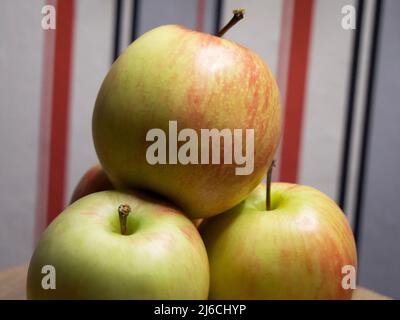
(296, 250)
(94, 180)
(160, 256)
(202, 82)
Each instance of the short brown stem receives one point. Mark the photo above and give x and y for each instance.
(238, 14)
(123, 212)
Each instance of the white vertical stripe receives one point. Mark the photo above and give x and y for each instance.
(92, 56)
(326, 97)
(359, 107)
(283, 67)
(126, 24)
(45, 130)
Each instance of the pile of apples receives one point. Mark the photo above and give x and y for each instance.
(131, 232)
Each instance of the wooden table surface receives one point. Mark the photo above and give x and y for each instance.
(13, 280)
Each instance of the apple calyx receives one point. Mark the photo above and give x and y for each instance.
(238, 14)
(123, 212)
(269, 181)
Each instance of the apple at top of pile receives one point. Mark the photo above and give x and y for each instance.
(173, 78)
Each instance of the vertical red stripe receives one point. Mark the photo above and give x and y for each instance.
(60, 108)
(284, 44)
(283, 58)
(201, 6)
(295, 89)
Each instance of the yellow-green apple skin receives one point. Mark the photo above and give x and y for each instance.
(294, 251)
(203, 82)
(162, 256)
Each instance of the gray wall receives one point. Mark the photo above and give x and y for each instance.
(20, 91)
(380, 238)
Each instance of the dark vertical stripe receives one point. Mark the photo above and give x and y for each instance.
(352, 91)
(117, 28)
(60, 108)
(300, 43)
(219, 7)
(135, 20)
(366, 128)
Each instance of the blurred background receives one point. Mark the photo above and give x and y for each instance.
(337, 63)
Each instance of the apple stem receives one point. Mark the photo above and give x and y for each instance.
(238, 14)
(269, 181)
(123, 212)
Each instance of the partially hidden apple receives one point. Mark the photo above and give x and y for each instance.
(171, 79)
(113, 245)
(296, 250)
(94, 180)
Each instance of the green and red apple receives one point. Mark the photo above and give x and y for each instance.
(159, 254)
(296, 250)
(94, 180)
(200, 81)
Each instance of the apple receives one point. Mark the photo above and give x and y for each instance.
(100, 252)
(197, 222)
(296, 250)
(94, 180)
(171, 79)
